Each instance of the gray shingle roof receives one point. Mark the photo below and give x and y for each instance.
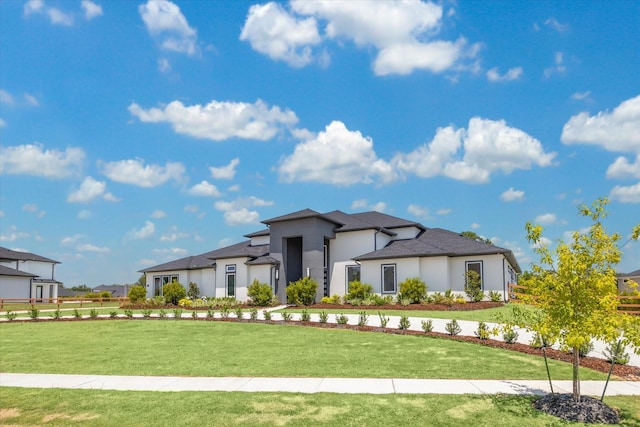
(305, 213)
(632, 274)
(437, 242)
(207, 259)
(9, 255)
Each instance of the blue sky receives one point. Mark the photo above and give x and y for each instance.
(134, 133)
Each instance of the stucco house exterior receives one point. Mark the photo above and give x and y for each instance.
(26, 275)
(624, 278)
(336, 248)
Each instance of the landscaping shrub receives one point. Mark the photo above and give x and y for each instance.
(239, 313)
(509, 335)
(383, 320)
(326, 300)
(137, 294)
(113, 314)
(404, 323)
(93, 313)
(193, 292)
(173, 292)
(194, 314)
(584, 349)
(286, 316)
(413, 289)
(11, 315)
(177, 313)
(162, 314)
(77, 314)
(305, 316)
(324, 316)
(127, 312)
(427, 325)
(495, 296)
(473, 286)
(453, 328)
(266, 314)
(358, 290)
(185, 302)
(615, 352)
(483, 331)
(335, 299)
(302, 292)
(146, 313)
(260, 294)
(224, 312)
(211, 314)
(363, 319)
(34, 313)
(253, 314)
(56, 315)
(342, 319)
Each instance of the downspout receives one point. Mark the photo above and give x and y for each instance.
(504, 281)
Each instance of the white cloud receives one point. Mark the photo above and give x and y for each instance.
(402, 32)
(134, 172)
(164, 66)
(33, 159)
(274, 32)
(72, 240)
(581, 96)
(56, 16)
(512, 195)
(26, 99)
(557, 26)
(6, 98)
(626, 194)
(157, 214)
(171, 251)
(88, 247)
(558, 67)
(220, 120)
(419, 212)
(617, 131)
(33, 208)
(30, 99)
(91, 9)
(89, 190)
(475, 226)
(237, 212)
(173, 235)
(13, 235)
(493, 75)
(487, 146)
(166, 23)
(225, 172)
(147, 231)
(204, 189)
(84, 214)
(363, 204)
(443, 211)
(3, 123)
(336, 156)
(546, 219)
(622, 168)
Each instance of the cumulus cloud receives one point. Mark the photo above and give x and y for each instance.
(90, 189)
(147, 231)
(225, 172)
(336, 156)
(173, 235)
(56, 16)
(238, 212)
(219, 121)
(363, 204)
(622, 168)
(512, 195)
(626, 194)
(157, 214)
(419, 212)
(33, 159)
(581, 96)
(134, 172)
(274, 32)
(401, 32)
(617, 131)
(493, 75)
(204, 189)
(88, 247)
(166, 23)
(546, 219)
(486, 147)
(91, 9)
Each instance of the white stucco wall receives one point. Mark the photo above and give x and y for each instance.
(405, 232)
(434, 271)
(14, 287)
(45, 270)
(260, 240)
(351, 244)
(493, 278)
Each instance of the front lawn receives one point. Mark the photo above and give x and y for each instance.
(58, 407)
(218, 348)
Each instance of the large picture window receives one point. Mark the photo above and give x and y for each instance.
(477, 267)
(353, 275)
(388, 278)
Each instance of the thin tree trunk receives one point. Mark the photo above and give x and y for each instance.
(576, 374)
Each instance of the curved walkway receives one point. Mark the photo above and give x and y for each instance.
(313, 385)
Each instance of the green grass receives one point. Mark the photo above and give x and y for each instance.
(486, 315)
(66, 305)
(58, 407)
(205, 348)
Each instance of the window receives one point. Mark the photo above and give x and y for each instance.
(477, 267)
(165, 280)
(353, 274)
(388, 278)
(230, 279)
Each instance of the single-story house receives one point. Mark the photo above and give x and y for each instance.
(336, 248)
(624, 278)
(26, 275)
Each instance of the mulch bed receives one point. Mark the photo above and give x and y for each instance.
(588, 410)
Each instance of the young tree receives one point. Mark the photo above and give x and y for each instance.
(574, 289)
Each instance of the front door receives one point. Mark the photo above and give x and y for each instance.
(39, 293)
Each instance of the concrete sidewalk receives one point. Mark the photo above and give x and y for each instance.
(313, 385)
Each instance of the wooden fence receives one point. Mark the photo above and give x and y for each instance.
(74, 301)
(628, 303)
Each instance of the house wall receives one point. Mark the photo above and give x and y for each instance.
(48, 290)
(405, 232)
(204, 278)
(242, 277)
(313, 231)
(494, 276)
(15, 287)
(45, 270)
(434, 271)
(260, 240)
(371, 271)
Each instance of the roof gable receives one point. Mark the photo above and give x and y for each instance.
(10, 255)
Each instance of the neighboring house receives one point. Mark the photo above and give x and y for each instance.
(27, 275)
(116, 291)
(336, 248)
(623, 280)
